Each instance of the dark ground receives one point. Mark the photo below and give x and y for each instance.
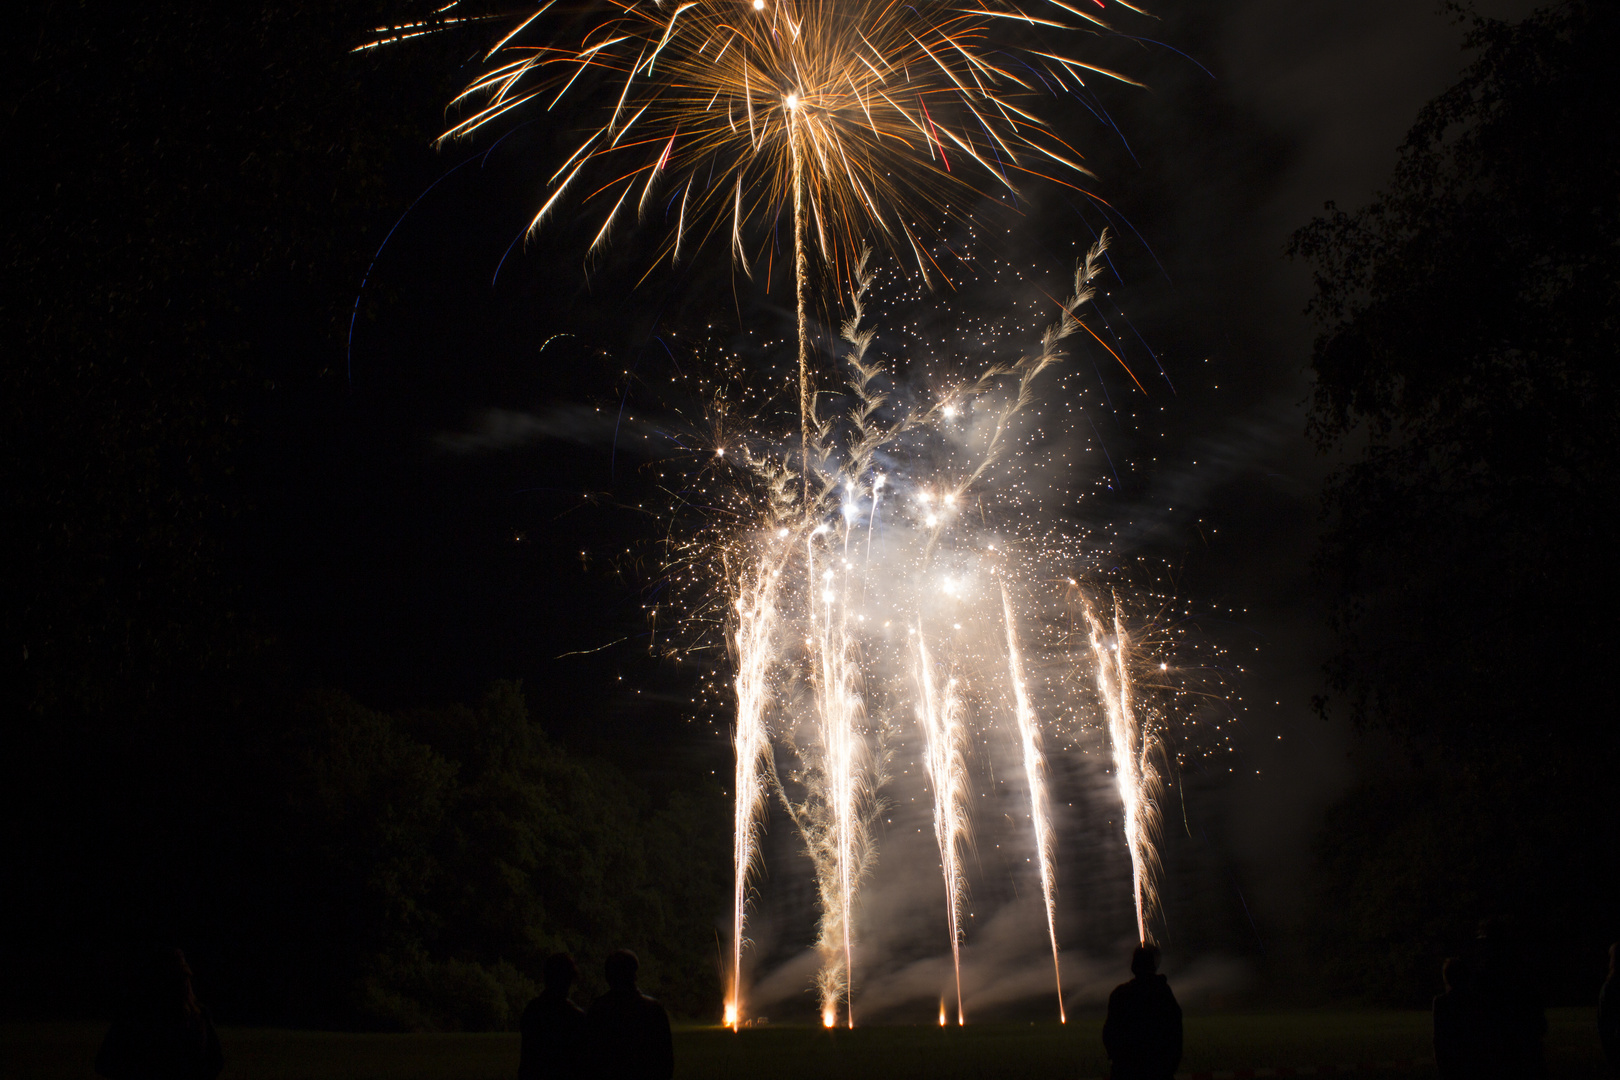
(989, 1051)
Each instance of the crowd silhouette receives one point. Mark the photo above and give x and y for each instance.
(624, 1035)
(1609, 1014)
(1488, 1024)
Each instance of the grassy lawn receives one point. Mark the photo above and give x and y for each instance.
(979, 1051)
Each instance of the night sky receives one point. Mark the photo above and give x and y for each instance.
(402, 572)
(444, 442)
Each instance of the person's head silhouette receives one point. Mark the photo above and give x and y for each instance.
(1145, 961)
(620, 968)
(1457, 973)
(559, 972)
(160, 983)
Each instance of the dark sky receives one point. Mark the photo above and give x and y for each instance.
(413, 566)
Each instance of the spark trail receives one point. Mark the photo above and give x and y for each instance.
(839, 710)
(940, 714)
(754, 646)
(1029, 739)
(1134, 769)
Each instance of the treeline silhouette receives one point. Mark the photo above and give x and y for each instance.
(393, 871)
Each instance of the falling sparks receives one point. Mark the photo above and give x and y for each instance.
(1134, 768)
(860, 105)
(940, 714)
(1029, 741)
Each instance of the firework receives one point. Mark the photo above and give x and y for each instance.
(1029, 741)
(940, 714)
(720, 116)
(856, 121)
(839, 591)
(858, 118)
(753, 642)
(839, 709)
(1133, 751)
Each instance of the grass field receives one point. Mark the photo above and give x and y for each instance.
(982, 1051)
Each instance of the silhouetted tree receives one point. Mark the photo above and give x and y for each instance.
(451, 850)
(1468, 368)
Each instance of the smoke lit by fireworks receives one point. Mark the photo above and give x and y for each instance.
(896, 578)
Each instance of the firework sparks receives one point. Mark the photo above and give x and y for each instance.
(856, 120)
(1135, 772)
(940, 714)
(839, 708)
(854, 107)
(1029, 740)
(754, 646)
(844, 114)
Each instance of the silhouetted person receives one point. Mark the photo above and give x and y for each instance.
(1609, 1014)
(553, 1027)
(1143, 1031)
(1513, 1013)
(162, 1034)
(627, 1032)
(1466, 1044)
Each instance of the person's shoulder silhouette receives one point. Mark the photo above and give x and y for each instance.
(627, 1032)
(1512, 1009)
(161, 1033)
(553, 1027)
(1143, 1031)
(1466, 1040)
(1609, 1012)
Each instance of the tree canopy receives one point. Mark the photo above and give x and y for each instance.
(1467, 368)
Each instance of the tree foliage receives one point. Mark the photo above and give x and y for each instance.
(1470, 318)
(1468, 366)
(456, 848)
